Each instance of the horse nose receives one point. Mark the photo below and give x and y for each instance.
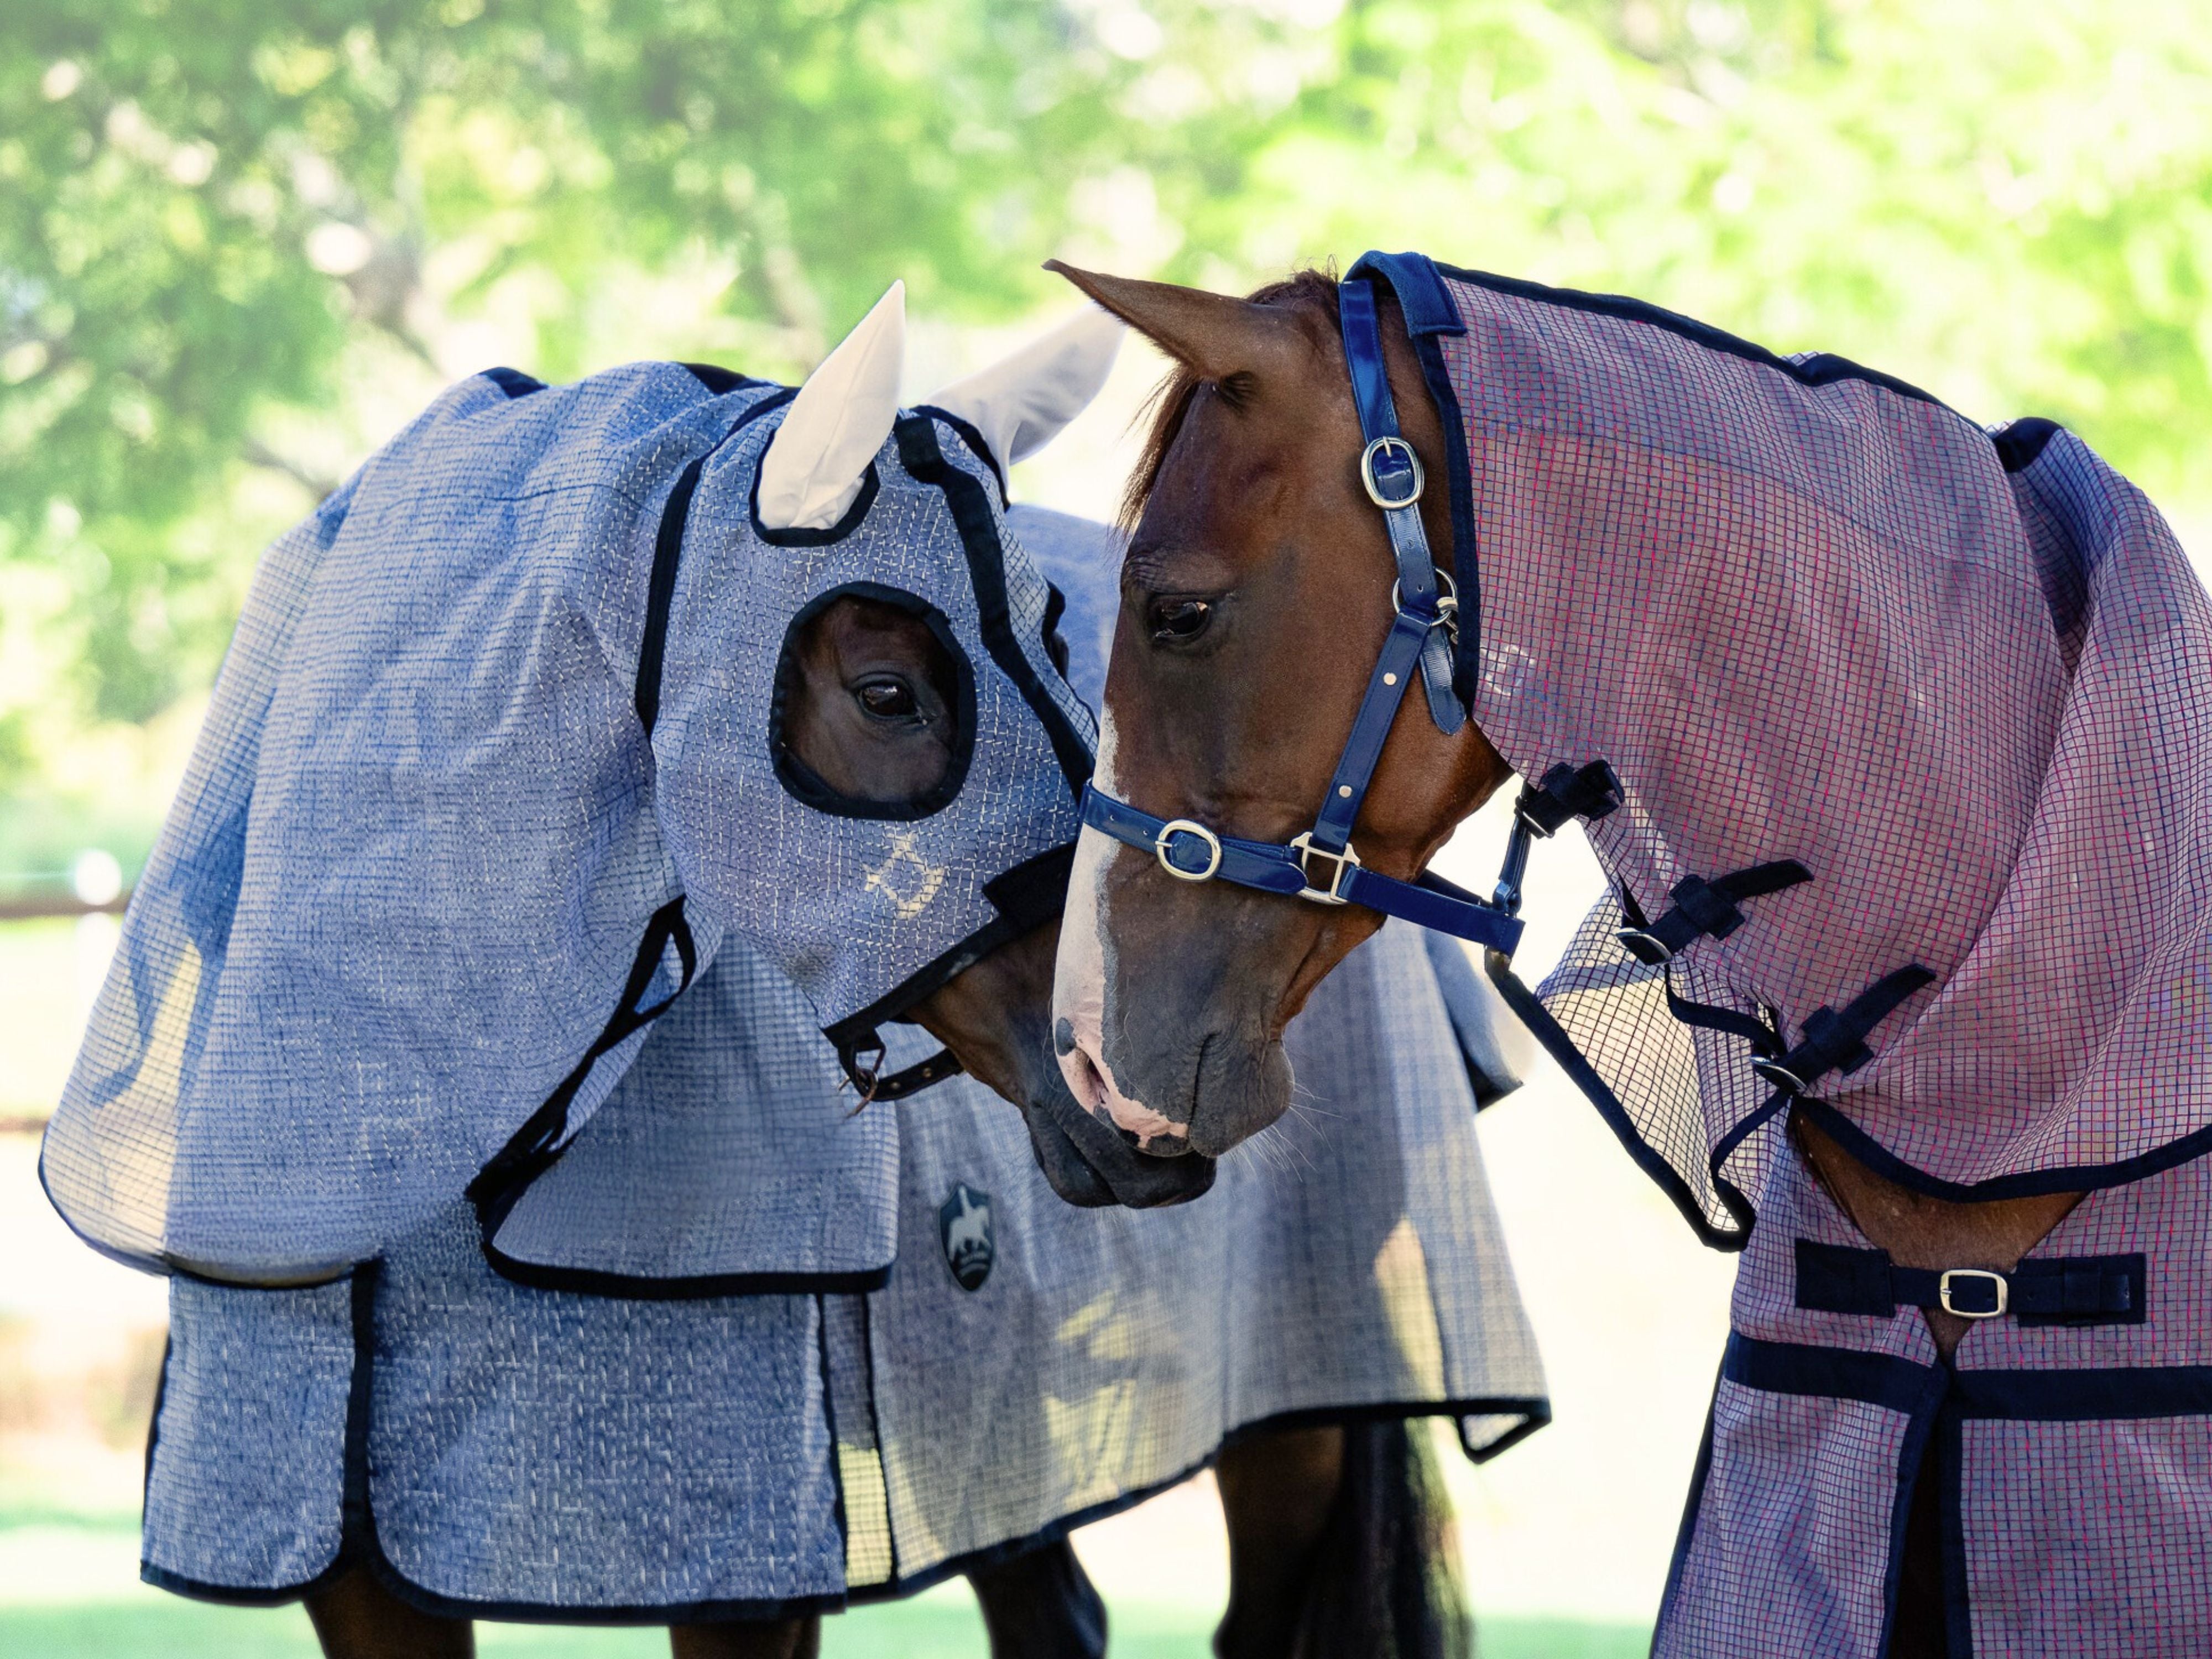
(1092, 1085)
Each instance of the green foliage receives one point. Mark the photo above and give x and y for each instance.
(223, 226)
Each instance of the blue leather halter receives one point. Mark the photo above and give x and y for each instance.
(1421, 637)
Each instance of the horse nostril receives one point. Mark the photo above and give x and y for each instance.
(1063, 1037)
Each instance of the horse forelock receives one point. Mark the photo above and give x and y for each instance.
(1170, 401)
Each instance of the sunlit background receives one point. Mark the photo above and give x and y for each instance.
(239, 245)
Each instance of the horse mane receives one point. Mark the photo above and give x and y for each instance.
(1169, 403)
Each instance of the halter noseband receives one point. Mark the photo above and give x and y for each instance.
(1421, 636)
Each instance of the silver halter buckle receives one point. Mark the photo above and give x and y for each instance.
(1346, 862)
(1367, 473)
(1175, 827)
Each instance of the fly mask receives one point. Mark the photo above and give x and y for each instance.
(495, 763)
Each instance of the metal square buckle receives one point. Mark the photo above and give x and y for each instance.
(1346, 862)
(2002, 1293)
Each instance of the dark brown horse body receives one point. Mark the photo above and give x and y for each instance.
(1257, 547)
(1336, 1546)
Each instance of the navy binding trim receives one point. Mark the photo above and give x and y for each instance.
(1561, 1047)
(1817, 368)
(809, 787)
(923, 457)
(719, 380)
(2072, 1178)
(2019, 442)
(974, 439)
(1810, 1368)
(2075, 1394)
(536, 1145)
(513, 381)
(687, 1287)
(667, 553)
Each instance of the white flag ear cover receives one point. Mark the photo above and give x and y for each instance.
(814, 468)
(1020, 403)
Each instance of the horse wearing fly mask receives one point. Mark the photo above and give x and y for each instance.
(864, 724)
(1886, 730)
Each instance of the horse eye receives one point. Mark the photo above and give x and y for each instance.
(887, 699)
(1178, 621)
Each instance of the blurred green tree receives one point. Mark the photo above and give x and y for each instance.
(213, 215)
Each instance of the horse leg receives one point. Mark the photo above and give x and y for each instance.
(1920, 1231)
(356, 1617)
(1041, 1605)
(1339, 1547)
(1277, 1492)
(769, 1638)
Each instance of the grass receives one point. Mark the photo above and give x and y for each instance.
(931, 1628)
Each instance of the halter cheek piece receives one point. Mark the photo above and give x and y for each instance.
(1321, 865)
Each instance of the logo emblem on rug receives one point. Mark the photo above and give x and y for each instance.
(964, 1222)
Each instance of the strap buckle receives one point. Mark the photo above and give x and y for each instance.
(1646, 946)
(1999, 1290)
(1163, 842)
(1346, 862)
(1391, 448)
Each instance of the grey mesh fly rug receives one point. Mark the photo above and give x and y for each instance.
(1909, 723)
(511, 1449)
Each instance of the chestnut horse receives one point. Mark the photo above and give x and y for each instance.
(1256, 599)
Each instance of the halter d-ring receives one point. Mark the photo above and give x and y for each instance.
(1447, 601)
(1390, 445)
(1175, 827)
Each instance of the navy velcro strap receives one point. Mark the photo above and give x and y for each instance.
(1706, 909)
(2080, 1289)
(1590, 791)
(1835, 1039)
(1762, 1037)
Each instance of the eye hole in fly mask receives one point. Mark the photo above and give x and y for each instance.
(874, 710)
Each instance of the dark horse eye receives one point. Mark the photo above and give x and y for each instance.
(887, 699)
(1177, 622)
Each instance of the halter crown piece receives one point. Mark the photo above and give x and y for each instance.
(1422, 633)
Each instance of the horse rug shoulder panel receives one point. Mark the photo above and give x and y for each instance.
(1808, 613)
(402, 884)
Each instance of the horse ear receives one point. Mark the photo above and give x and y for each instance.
(1020, 403)
(1217, 337)
(835, 426)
